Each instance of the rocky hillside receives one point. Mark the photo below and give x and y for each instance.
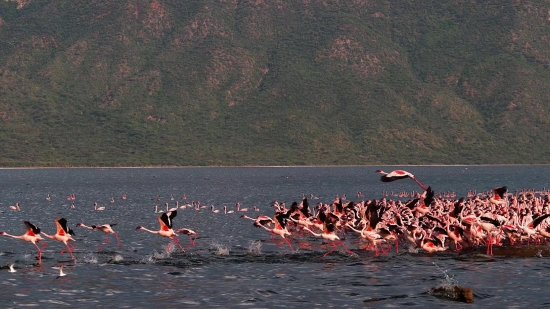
(278, 82)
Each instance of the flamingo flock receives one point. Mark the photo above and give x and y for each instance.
(427, 221)
(424, 220)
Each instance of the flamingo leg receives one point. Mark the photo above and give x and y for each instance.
(177, 242)
(106, 242)
(421, 185)
(376, 249)
(191, 240)
(346, 248)
(70, 250)
(118, 241)
(288, 242)
(39, 252)
(334, 247)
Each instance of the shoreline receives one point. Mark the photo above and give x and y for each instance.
(263, 166)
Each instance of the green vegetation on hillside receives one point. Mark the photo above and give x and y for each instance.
(172, 82)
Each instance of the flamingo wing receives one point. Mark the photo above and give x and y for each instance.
(538, 220)
(499, 192)
(165, 220)
(31, 229)
(62, 227)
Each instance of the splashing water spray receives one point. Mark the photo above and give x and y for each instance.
(449, 280)
(255, 247)
(451, 290)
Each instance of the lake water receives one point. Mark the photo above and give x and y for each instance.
(234, 264)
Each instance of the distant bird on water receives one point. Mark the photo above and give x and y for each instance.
(398, 174)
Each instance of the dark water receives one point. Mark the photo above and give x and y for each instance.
(233, 263)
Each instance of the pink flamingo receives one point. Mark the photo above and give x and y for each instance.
(105, 228)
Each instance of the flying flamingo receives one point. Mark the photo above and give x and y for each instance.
(260, 220)
(63, 235)
(105, 228)
(32, 235)
(189, 233)
(499, 196)
(280, 229)
(329, 227)
(165, 221)
(399, 174)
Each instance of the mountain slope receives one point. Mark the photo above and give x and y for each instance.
(171, 82)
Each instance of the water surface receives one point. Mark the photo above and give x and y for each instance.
(233, 263)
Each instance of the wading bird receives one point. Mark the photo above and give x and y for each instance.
(105, 228)
(32, 235)
(63, 235)
(165, 230)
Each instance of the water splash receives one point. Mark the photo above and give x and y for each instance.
(149, 259)
(255, 247)
(220, 249)
(413, 249)
(449, 280)
(117, 258)
(163, 255)
(89, 258)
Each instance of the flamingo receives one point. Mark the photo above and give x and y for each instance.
(105, 228)
(280, 227)
(12, 270)
(165, 222)
(399, 174)
(16, 207)
(227, 211)
(215, 210)
(431, 245)
(329, 227)
(63, 234)
(189, 233)
(498, 196)
(530, 229)
(48, 197)
(31, 235)
(239, 209)
(98, 208)
(260, 220)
